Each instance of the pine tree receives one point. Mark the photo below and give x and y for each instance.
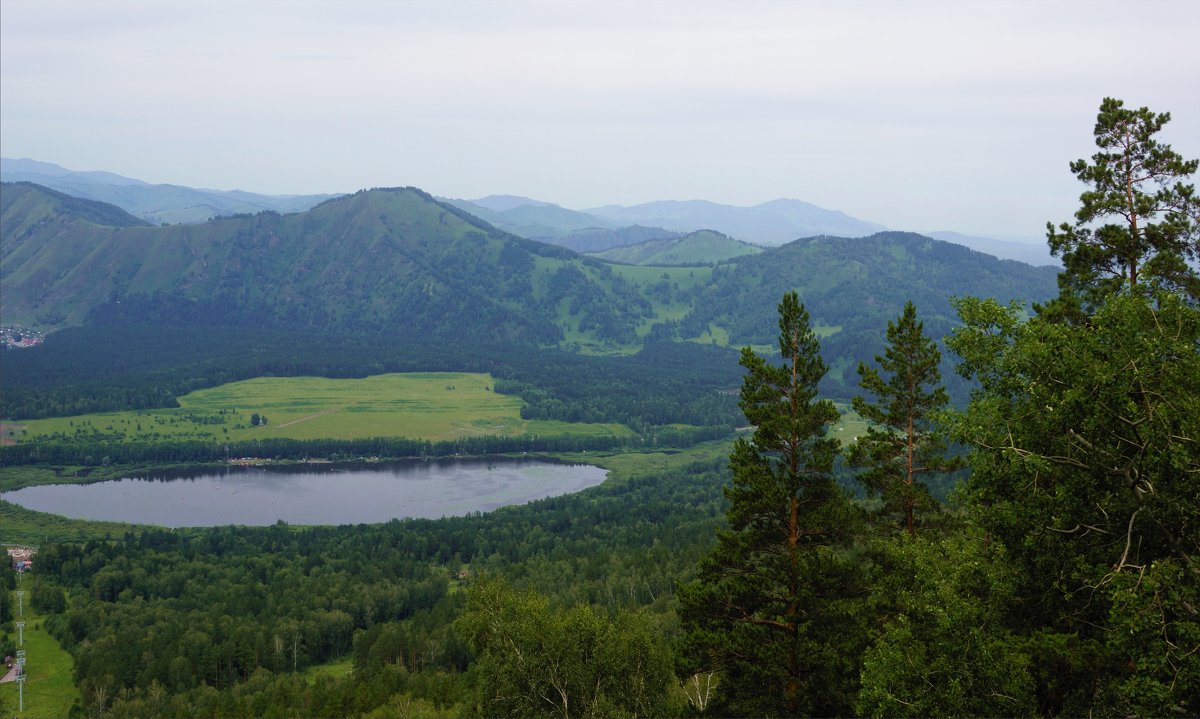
(902, 443)
(1137, 220)
(769, 609)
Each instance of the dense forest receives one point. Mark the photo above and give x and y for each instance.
(1060, 580)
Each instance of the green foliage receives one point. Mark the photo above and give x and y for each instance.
(902, 442)
(1085, 468)
(772, 610)
(1137, 222)
(47, 598)
(944, 649)
(535, 661)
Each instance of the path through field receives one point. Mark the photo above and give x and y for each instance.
(308, 417)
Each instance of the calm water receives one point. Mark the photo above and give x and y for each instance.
(312, 494)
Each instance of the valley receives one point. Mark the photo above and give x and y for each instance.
(896, 505)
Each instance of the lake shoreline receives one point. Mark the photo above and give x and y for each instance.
(310, 493)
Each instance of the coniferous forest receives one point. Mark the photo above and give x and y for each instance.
(757, 567)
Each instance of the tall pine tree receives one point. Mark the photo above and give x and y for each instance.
(902, 443)
(769, 611)
(1138, 219)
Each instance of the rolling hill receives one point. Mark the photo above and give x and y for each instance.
(696, 248)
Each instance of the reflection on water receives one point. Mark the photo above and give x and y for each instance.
(312, 494)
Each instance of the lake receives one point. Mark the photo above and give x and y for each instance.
(312, 493)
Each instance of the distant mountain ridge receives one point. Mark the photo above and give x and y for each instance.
(695, 248)
(770, 223)
(1036, 254)
(157, 204)
(532, 219)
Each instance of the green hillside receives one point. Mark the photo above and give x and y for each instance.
(391, 260)
(852, 288)
(697, 248)
(399, 264)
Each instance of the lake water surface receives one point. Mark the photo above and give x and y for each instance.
(312, 494)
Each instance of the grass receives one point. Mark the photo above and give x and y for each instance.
(19, 525)
(435, 406)
(336, 668)
(850, 427)
(49, 689)
(625, 465)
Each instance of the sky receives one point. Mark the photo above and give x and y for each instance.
(916, 115)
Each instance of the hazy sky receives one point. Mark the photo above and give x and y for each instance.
(916, 115)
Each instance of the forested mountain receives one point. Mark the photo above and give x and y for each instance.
(393, 260)
(769, 223)
(398, 262)
(852, 287)
(703, 247)
(157, 204)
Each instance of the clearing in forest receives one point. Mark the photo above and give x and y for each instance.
(428, 405)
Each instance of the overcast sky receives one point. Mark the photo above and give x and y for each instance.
(916, 115)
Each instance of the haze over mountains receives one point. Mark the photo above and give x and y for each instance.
(157, 204)
(594, 230)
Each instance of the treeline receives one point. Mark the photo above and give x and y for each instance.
(89, 452)
(89, 369)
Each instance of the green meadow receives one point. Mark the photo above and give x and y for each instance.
(850, 427)
(49, 687)
(436, 406)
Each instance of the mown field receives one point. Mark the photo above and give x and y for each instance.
(435, 406)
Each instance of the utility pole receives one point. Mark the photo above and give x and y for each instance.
(21, 679)
(20, 634)
(20, 600)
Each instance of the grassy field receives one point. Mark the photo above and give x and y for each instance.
(49, 691)
(434, 406)
(19, 525)
(850, 427)
(337, 668)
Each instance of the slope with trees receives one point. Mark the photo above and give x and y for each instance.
(694, 248)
